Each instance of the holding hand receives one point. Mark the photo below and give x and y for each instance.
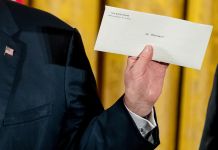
(143, 82)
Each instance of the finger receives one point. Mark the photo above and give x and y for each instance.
(144, 58)
(159, 67)
(166, 65)
(131, 61)
(163, 65)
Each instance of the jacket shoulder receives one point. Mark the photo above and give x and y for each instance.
(27, 17)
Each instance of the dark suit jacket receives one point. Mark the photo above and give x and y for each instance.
(209, 139)
(48, 97)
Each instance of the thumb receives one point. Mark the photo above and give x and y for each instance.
(144, 58)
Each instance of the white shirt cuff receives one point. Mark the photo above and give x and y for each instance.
(144, 125)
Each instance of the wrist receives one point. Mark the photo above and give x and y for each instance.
(147, 116)
(140, 108)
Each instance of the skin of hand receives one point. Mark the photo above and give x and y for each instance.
(144, 80)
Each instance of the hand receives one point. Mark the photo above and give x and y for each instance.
(143, 82)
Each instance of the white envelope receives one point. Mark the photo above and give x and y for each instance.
(175, 41)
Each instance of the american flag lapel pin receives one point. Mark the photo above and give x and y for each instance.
(9, 51)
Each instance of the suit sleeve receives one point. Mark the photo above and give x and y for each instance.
(210, 133)
(112, 129)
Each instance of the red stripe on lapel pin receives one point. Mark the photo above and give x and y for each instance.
(9, 51)
(19, 1)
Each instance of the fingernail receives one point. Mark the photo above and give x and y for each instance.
(147, 48)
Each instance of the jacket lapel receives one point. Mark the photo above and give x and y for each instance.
(10, 52)
(7, 23)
